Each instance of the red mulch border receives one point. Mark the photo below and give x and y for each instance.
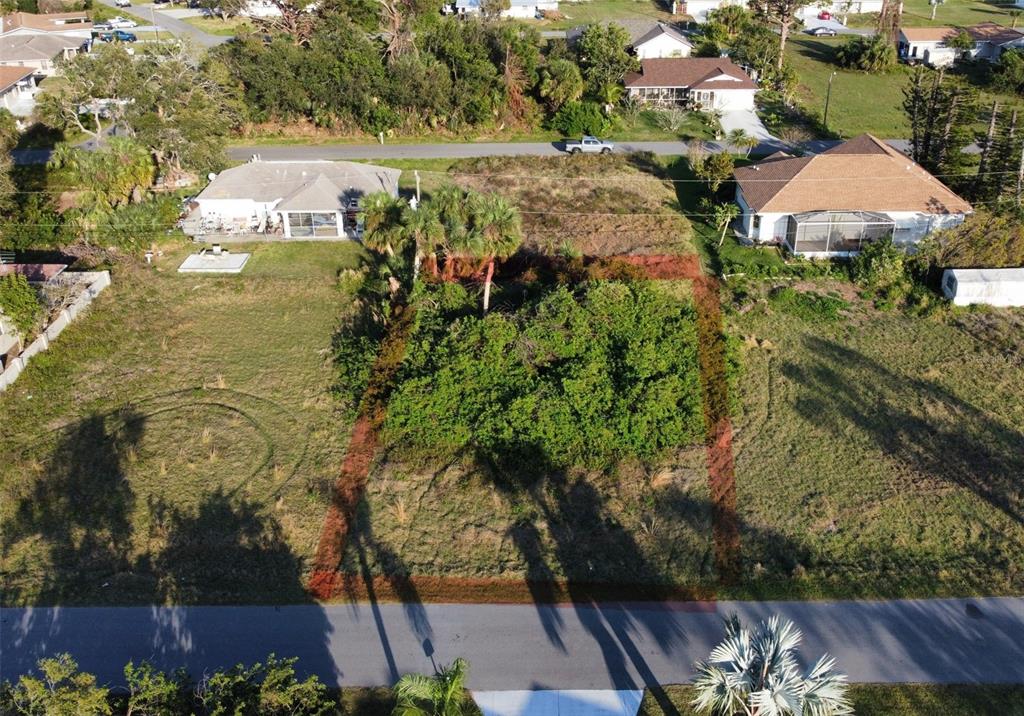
(327, 582)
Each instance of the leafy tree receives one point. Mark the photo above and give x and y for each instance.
(734, 18)
(605, 60)
(757, 673)
(578, 118)
(443, 694)
(60, 689)
(224, 8)
(1008, 74)
(497, 233)
(780, 13)
(19, 302)
(722, 215)
(117, 174)
(867, 54)
(423, 227)
(269, 689)
(154, 693)
(758, 47)
(962, 42)
(561, 82)
(492, 9)
(714, 33)
(715, 170)
(33, 224)
(99, 82)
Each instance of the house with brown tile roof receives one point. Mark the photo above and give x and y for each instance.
(702, 82)
(17, 87)
(931, 44)
(65, 23)
(831, 204)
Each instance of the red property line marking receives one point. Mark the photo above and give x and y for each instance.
(326, 581)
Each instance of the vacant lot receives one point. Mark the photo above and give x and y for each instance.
(861, 101)
(878, 454)
(177, 442)
(918, 13)
(580, 205)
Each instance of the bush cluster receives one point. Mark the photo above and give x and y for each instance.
(20, 303)
(580, 377)
(812, 307)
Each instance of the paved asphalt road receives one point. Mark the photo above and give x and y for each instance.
(178, 28)
(525, 646)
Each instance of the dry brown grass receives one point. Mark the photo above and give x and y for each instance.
(589, 205)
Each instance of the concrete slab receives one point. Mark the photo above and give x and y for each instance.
(559, 703)
(209, 262)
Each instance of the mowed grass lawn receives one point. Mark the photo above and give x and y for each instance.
(214, 25)
(586, 12)
(179, 441)
(879, 455)
(918, 13)
(867, 102)
(861, 102)
(879, 700)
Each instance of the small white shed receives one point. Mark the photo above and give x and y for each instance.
(992, 287)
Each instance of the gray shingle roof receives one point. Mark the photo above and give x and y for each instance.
(301, 183)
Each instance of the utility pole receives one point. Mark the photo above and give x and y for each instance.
(152, 17)
(416, 173)
(828, 98)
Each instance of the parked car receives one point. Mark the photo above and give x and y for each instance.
(822, 31)
(122, 22)
(117, 36)
(824, 15)
(98, 27)
(590, 145)
(123, 3)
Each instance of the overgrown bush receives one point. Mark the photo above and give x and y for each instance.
(984, 240)
(34, 224)
(882, 269)
(867, 54)
(811, 307)
(575, 119)
(583, 377)
(20, 303)
(267, 689)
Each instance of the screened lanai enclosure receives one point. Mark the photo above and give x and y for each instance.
(836, 232)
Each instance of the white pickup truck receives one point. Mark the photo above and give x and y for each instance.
(588, 144)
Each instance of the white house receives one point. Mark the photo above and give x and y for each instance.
(703, 82)
(662, 41)
(992, 39)
(289, 200)
(42, 52)
(518, 8)
(927, 45)
(76, 24)
(830, 204)
(17, 90)
(992, 287)
(699, 9)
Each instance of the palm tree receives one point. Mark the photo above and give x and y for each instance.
(423, 227)
(443, 694)
(451, 206)
(723, 214)
(741, 140)
(757, 674)
(497, 233)
(381, 215)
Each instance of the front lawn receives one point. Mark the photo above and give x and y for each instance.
(177, 443)
(587, 12)
(878, 700)
(877, 454)
(214, 25)
(960, 13)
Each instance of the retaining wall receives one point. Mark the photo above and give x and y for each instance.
(95, 282)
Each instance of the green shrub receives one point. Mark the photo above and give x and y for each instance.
(810, 307)
(867, 54)
(577, 378)
(575, 119)
(19, 302)
(882, 267)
